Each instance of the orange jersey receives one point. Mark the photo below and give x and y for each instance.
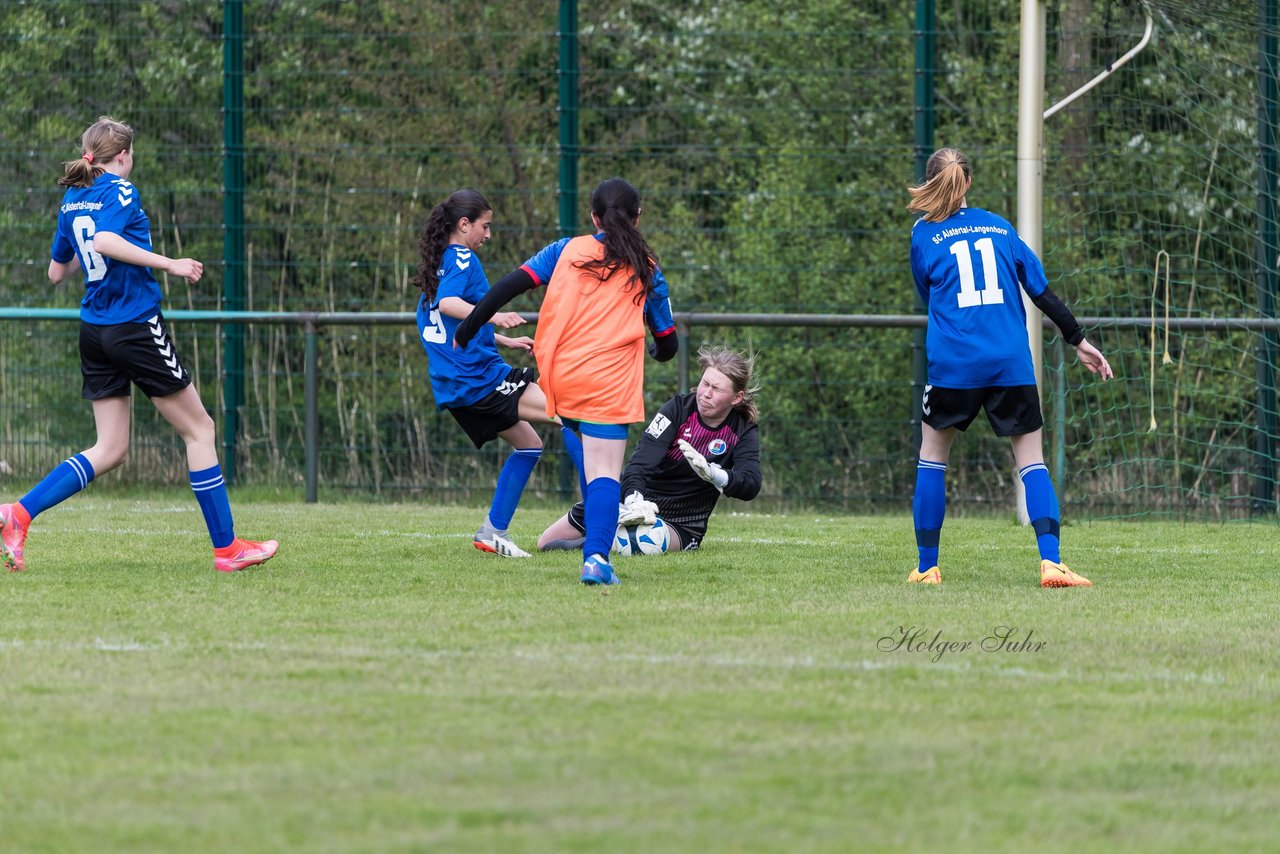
(590, 341)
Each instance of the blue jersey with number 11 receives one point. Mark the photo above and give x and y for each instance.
(968, 269)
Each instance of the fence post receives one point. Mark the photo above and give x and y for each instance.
(312, 416)
(925, 23)
(567, 72)
(1268, 248)
(682, 358)
(1059, 404)
(568, 110)
(233, 256)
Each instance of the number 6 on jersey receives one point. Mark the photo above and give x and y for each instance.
(969, 295)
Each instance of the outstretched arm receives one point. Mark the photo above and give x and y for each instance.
(1056, 310)
(114, 246)
(504, 291)
(460, 309)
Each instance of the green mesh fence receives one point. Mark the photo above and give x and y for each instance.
(1153, 214)
(772, 148)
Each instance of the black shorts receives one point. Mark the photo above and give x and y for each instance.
(1012, 410)
(499, 410)
(690, 538)
(142, 353)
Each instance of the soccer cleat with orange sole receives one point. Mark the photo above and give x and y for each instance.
(933, 576)
(498, 545)
(13, 537)
(242, 554)
(1057, 575)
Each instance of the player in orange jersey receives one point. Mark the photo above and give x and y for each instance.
(602, 289)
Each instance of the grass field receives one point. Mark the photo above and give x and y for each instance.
(381, 686)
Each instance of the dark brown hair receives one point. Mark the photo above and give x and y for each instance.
(441, 222)
(616, 205)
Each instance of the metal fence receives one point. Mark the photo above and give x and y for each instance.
(296, 146)
(346, 438)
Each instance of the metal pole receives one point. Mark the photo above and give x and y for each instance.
(233, 251)
(568, 110)
(568, 188)
(925, 52)
(682, 357)
(1059, 437)
(311, 420)
(1268, 253)
(1031, 178)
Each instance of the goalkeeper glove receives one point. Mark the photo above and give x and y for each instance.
(634, 510)
(710, 472)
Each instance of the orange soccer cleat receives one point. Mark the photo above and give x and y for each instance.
(1057, 575)
(13, 535)
(242, 554)
(932, 576)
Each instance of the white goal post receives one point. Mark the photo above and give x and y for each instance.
(1031, 117)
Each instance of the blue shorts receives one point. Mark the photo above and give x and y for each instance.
(596, 431)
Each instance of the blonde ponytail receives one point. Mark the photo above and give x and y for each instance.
(946, 181)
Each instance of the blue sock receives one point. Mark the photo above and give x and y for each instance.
(1042, 507)
(601, 510)
(67, 478)
(211, 494)
(511, 480)
(928, 509)
(573, 447)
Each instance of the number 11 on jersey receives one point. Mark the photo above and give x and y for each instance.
(969, 294)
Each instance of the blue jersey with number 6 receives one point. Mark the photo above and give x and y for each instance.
(968, 269)
(114, 291)
(464, 375)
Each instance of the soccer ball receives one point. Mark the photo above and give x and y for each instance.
(641, 539)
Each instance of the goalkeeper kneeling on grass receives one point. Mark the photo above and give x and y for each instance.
(700, 444)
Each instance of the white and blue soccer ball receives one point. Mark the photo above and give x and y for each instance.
(641, 539)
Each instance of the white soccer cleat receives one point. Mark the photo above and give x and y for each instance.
(499, 545)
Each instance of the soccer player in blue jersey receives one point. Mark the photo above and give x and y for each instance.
(103, 231)
(968, 266)
(487, 397)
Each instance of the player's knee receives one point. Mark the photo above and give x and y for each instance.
(106, 456)
(201, 431)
